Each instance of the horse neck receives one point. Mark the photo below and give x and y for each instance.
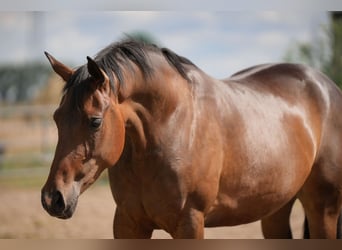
(147, 104)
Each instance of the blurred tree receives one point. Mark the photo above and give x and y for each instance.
(142, 36)
(334, 68)
(324, 53)
(20, 83)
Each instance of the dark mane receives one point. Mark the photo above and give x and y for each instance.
(114, 57)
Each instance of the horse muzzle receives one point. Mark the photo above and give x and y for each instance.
(57, 205)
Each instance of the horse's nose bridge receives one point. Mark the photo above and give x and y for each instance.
(63, 168)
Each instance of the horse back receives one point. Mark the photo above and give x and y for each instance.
(306, 91)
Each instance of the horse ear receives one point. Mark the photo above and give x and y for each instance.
(62, 70)
(95, 71)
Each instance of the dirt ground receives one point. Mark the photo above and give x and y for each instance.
(21, 217)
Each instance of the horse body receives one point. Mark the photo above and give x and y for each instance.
(204, 152)
(269, 160)
(223, 168)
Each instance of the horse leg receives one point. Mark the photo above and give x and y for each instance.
(190, 225)
(277, 225)
(306, 234)
(338, 230)
(321, 200)
(125, 227)
(322, 224)
(339, 227)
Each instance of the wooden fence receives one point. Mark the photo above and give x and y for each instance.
(28, 137)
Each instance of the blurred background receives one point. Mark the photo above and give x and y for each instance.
(220, 43)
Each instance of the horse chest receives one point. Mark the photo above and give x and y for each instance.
(142, 182)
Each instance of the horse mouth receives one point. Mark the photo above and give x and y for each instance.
(58, 207)
(67, 213)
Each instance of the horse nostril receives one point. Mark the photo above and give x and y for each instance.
(57, 203)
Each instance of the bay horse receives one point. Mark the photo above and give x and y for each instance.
(186, 151)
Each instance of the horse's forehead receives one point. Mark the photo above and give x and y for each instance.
(96, 103)
(69, 105)
(64, 112)
(88, 102)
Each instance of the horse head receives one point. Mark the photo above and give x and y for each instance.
(90, 136)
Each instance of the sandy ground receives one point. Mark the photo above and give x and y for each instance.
(21, 216)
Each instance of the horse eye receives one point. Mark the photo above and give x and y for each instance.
(95, 122)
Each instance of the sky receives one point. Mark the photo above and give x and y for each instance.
(219, 42)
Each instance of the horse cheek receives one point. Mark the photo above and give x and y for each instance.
(114, 141)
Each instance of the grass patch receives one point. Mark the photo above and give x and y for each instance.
(22, 182)
(25, 160)
(34, 178)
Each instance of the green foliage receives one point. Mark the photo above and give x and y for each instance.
(334, 68)
(20, 83)
(142, 36)
(324, 53)
(312, 54)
